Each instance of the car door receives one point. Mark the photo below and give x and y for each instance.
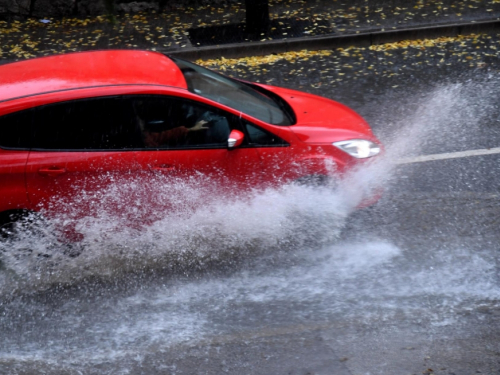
(81, 151)
(187, 139)
(275, 154)
(14, 150)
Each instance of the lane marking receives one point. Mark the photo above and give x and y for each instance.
(449, 155)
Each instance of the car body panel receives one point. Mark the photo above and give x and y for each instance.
(13, 187)
(37, 178)
(18, 104)
(75, 172)
(241, 167)
(318, 117)
(87, 69)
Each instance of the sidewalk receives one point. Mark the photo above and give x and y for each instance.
(168, 31)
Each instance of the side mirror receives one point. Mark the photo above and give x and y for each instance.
(235, 139)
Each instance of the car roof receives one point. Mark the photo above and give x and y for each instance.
(88, 69)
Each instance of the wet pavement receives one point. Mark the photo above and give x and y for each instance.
(411, 286)
(168, 30)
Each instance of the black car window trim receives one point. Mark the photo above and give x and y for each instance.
(93, 150)
(258, 145)
(14, 148)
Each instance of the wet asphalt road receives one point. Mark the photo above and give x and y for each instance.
(411, 286)
(418, 106)
(168, 30)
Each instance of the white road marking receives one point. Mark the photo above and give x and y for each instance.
(449, 155)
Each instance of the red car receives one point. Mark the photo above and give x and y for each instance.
(69, 122)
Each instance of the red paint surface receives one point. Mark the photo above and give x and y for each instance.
(29, 180)
(87, 69)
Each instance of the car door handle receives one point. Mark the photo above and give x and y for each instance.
(164, 168)
(52, 171)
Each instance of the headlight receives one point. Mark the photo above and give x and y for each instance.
(359, 148)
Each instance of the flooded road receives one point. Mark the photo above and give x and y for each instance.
(290, 281)
(425, 295)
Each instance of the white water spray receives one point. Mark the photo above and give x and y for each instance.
(311, 279)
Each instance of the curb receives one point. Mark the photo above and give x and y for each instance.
(360, 39)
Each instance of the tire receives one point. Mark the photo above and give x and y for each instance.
(23, 224)
(11, 222)
(34, 226)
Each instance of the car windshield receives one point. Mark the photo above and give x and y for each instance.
(254, 101)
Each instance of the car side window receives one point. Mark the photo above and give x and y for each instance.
(89, 124)
(15, 130)
(259, 137)
(172, 123)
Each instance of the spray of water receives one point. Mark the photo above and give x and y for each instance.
(190, 231)
(356, 280)
(161, 223)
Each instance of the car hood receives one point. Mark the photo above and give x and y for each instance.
(322, 120)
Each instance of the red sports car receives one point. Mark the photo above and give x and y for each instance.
(69, 123)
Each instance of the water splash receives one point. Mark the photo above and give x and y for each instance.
(150, 223)
(207, 228)
(356, 282)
